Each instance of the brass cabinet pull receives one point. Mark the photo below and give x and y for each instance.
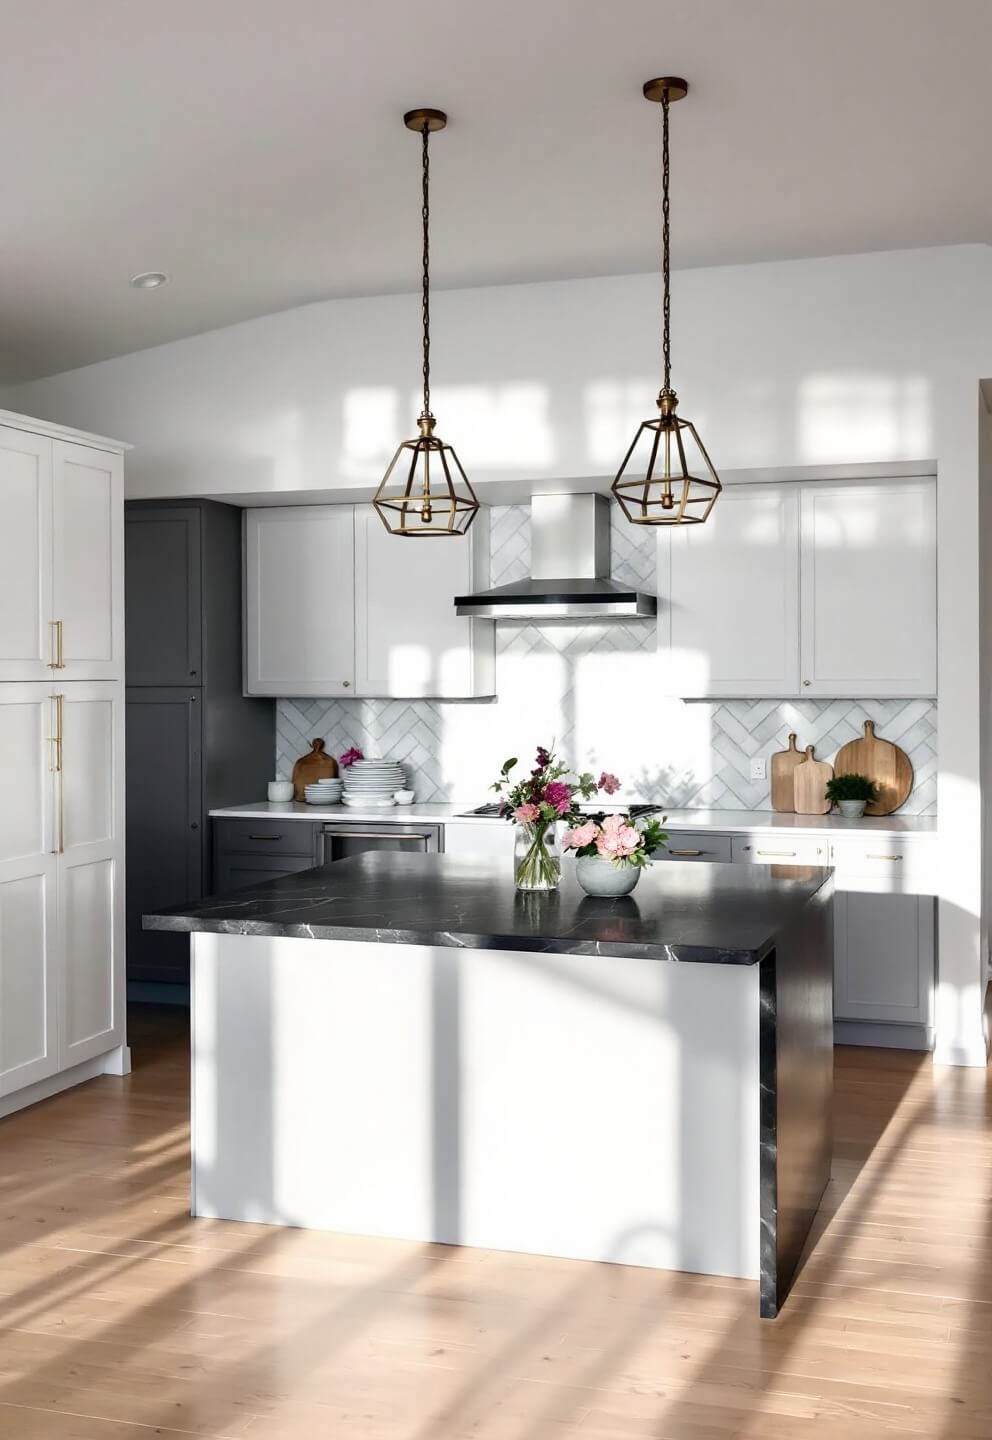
(58, 662)
(869, 856)
(55, 765)
(688, 852)
(777, 852)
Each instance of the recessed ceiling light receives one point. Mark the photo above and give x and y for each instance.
(149, 279)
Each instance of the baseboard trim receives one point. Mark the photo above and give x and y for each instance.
(887, 1036)
(65, 1080)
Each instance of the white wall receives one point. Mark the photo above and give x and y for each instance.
(820, 362)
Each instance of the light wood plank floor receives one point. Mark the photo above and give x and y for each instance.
(121, 1317)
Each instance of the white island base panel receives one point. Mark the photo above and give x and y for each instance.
(578, 1106)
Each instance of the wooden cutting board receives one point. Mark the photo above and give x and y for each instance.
(783, 767)
(882, 762)
(315, 765)
(810, 783)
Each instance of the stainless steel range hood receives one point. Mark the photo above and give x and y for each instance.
(570, 570)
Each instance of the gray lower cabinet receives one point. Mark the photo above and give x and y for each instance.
(164, 819)
(247, 851)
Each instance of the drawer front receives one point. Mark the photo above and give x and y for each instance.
(235, 872)
(901, 867)
(696, 845)
(781, 850)
(265, 837)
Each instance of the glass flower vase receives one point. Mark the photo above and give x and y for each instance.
(536, 856)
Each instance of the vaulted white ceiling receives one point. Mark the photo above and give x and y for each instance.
(254, 149)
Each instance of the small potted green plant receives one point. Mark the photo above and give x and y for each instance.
(851, 793)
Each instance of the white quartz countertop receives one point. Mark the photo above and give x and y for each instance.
(745, 822)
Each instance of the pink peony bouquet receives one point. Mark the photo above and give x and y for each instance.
(616, 838)
(548, 793)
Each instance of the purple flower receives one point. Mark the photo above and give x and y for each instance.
(350, 756)
(559, 796)
(609, 783)
(543, 757)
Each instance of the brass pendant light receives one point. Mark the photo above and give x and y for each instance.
(431, 494)
(655, 484)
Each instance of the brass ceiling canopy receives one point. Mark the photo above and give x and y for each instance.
(431, 494)
(661, 481)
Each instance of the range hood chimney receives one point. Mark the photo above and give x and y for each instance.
(570, 570)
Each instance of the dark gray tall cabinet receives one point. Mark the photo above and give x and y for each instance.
(193, 740)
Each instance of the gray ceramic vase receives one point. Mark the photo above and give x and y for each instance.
(601, 877)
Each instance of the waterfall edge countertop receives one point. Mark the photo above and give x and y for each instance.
(744, 822)
(712, 914)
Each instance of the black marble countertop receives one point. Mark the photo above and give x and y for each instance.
(716, 914)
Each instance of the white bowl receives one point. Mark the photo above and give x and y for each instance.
(404, 797)
(279, 791)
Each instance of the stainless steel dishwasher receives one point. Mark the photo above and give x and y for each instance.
(341, 839)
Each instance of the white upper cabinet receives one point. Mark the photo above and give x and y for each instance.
(300, 600)
(26, 638)
(88, 575)
(869, 589)
(61, 559)
(804, 590)
(334, 605)
(729, 612)
(409, 643)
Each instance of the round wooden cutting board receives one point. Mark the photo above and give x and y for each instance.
(882, 762)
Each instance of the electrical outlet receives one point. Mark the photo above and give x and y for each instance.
(758, 769)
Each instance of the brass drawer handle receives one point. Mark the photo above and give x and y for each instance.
(688, 852)
(775, 852)
(869, 856)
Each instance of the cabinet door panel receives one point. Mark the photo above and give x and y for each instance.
(91, 879)
(162, 595)
(300, 600)
(25, 555)
(28, 868)
(733, 617)
(869, 609)
(165, 838)
(883, 957)
(88, 589)
(409, 643)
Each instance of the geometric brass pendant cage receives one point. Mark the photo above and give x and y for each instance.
(666, 476)
(430, 494)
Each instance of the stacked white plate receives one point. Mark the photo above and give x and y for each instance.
(323, 792)
(372, 783)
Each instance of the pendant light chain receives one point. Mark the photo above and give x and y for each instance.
(425, 212)
(666, 477)
(665, 241)
(425, 490)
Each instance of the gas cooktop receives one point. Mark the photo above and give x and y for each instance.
(492, 809)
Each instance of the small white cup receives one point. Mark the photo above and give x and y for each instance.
(404, 797)
(279, 791)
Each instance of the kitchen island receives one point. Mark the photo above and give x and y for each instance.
(405, 1046)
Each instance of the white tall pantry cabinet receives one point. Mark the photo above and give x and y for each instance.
(62, 993)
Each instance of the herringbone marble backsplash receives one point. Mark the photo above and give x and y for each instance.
(591, 689)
